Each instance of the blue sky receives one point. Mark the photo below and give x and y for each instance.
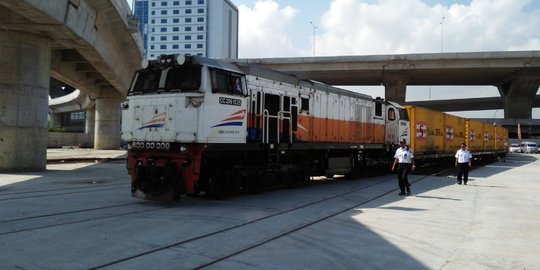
(282, 28)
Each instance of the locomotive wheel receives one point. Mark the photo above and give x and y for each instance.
(292, 180)
(139, 178)
(255, 185)
(216, 187)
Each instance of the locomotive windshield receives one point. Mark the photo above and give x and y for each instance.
(185, 78)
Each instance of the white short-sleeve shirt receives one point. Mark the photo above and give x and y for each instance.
(463, 156)
(404, 155)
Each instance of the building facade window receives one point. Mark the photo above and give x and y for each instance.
(171, 24)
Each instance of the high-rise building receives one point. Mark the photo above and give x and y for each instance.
(194, 27)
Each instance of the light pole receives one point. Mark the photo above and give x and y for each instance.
(314, 29)
(442, 21)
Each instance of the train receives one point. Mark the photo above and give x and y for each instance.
(196, 125)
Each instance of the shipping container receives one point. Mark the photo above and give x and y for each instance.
(427, 126)
(455, 133)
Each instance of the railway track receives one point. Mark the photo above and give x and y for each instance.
(243, 222)
(279, 224)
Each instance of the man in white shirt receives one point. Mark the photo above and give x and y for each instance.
(463, 162)
(405, 160)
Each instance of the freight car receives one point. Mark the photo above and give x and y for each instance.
(437, 135)
(195, 125)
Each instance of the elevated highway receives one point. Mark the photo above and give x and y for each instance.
(516, 74)
(467, 104)
(93, 45)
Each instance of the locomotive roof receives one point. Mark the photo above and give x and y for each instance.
(340, 91)
(215, 63)
(263, 72)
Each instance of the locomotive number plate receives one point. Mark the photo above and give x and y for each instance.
(230, 101)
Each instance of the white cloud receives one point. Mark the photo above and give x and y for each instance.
(392, 27)
(263, 30)
(411, 26)
(355, 27)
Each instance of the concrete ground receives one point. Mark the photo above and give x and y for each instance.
(80, 216)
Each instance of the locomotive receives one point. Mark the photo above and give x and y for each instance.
(196, 125)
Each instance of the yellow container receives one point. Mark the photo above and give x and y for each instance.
(427, 130)
(501, 137)
(455, 133)
(489, 137)
(475, 140)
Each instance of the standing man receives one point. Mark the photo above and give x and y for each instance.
(463, 162)
(405, 160)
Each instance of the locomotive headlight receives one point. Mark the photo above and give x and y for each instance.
(145, 63)
(180, 59)
(184, 149)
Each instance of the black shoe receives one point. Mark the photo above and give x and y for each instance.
(401, 194)
(459, 182)
(408, 193)
(465, 182)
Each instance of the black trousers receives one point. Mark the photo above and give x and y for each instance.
(463, 172)
(403, 170)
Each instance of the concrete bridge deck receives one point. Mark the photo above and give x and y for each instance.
(92, 45)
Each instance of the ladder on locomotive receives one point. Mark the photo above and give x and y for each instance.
(278, 120)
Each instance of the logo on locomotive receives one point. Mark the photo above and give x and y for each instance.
(157, 121)
(235, 119)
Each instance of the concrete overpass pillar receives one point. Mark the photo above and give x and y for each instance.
(25, 63)
(395, 87)
(518, 95)
(90, 124)
(107, 127)
(56, 119)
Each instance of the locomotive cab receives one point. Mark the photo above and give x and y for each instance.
(397, 124)
(175, 105)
